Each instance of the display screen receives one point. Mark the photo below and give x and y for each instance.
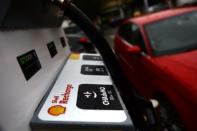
(62, 40)
(52, 49)
(29, 63)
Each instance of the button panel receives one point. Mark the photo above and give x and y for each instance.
(93, 70)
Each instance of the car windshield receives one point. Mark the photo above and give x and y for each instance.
(173, 35)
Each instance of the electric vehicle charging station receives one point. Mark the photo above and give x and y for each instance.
(38, 67)
(83, 98)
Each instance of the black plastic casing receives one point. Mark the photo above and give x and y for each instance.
(17, 14)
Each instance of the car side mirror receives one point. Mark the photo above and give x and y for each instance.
(134, 50)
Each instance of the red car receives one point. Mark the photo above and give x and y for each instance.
(158, 52)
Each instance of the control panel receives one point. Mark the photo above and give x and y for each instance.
(82, 101)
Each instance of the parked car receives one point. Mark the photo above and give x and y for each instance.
(78, 40)
(185, 2)
(157, 7)
(158, 53)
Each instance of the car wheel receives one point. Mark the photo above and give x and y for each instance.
(169, 119)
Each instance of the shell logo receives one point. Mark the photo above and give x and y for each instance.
(56, 110)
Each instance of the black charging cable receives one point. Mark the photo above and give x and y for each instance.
(140, 110)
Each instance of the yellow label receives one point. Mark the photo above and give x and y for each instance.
(56, 110)
(74, 56)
